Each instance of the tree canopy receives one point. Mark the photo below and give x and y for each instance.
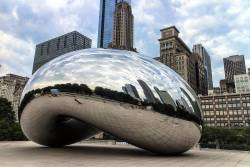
(10, 130)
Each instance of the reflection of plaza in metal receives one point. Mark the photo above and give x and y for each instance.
(128, 95)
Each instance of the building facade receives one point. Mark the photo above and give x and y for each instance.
(234, 65)
(11, 87)
(228, 110)
(123, 27)
(198, 48)
(242, 83)
(53, 48)
(214, 91)
(105, 30)
(200, 78)
(176, 54)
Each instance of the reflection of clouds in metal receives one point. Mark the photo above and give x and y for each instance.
(123, 93)
(113, 69)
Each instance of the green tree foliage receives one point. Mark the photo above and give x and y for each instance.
(9, 129)
(6, 111)
(226, 138)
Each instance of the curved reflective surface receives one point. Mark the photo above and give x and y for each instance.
(112, 91)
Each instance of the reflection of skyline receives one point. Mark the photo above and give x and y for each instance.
(147, 92)
(195, 105)
(131, 90)
(185, 104)
(102, 67)
(165, 97)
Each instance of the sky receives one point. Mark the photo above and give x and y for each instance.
(221, 26)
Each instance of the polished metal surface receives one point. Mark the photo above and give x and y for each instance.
(123, 93)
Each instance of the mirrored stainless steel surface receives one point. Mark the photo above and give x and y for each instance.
(84, 92)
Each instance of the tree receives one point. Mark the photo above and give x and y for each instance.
(9, 129)
(6, 111)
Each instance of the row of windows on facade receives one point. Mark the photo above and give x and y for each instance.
(167, 45)
(241, 119)
(226, 124)
(227, 113)
(242, 89)
(242, 79)
(169, 57)
(224, 99)
(229, 105)
(63, 43)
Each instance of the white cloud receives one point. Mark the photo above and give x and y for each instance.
(220, 25)
(15, 54)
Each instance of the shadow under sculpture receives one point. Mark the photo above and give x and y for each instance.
(128, 95)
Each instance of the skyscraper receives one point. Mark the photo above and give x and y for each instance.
(107, 9)
(53, 48)
(177, 55)
(123, 27)
(234, 65)
(198, 48)
(200, 72)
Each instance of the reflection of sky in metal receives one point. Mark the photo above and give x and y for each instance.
(111, 69)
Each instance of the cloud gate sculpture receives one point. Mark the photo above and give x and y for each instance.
(130, 96)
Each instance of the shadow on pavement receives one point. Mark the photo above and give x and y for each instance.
(103, 150)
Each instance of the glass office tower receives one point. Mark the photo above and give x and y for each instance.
(107, 9)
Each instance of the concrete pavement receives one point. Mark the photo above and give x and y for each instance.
(28, 154)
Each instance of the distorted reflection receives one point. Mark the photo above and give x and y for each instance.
(116, 75)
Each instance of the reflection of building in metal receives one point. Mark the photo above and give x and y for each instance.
(165, 97)
(131, 90)
(226, 110)
(11, 87)
(53, 48)
(185, 104)
(195, 104)
(147, 92)
(123, 27)
(91, 102)
(107, 9)
(157, 58)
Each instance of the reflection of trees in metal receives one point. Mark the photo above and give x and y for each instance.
(77, 94)
(167, 107)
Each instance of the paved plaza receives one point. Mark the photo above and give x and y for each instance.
(28, 154)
